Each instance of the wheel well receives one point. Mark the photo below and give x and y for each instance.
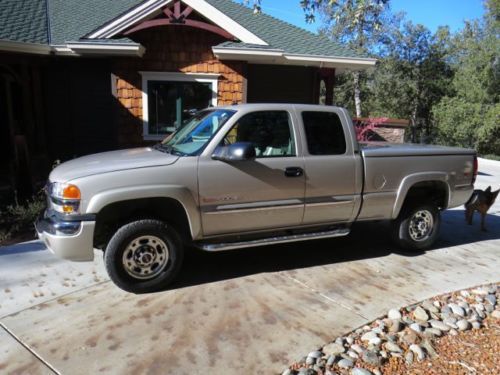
(115, 215)
(428, 191)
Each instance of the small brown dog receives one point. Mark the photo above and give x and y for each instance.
(480, 201)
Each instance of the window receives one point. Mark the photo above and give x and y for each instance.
(324, 133)
(269, 131)
(192, 138)
(171, 99)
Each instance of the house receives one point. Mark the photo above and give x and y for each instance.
(78, 77)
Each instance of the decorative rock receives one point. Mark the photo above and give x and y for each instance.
(376, 341)
(339, 341)
(328, 372)
(479, 306)
(315, 354)
(394, 314)
(390, 346)
(376, 372)
(345, 363)
(429, 306)
(349, 340)
(450, 322)
(439, 325)
(395, 326)
(465, 293)
(433, 331)
(464, 305)
(409, 338)
(495, 314)
(463, 325)
(453, 332)
(333, 348)
(307, 371)
(409, 358)
(476, 325)
(310, 361)
(416, 327)
(420, 314)
(446, 310)
(480, 291)
(331, 360)
(437, 304)
(352, 354)
(407, 320)
(360, 371)
(383, 353)
(418, 352)
(371, 358)
(491, 299)
(489, 308)
(368, 336)
(426, 344)
(357, 348)
(457, 310)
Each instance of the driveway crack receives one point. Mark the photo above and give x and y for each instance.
(29, 349)
(329, 299)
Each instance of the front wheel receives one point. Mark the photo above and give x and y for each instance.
(417, 227)
(144, 256)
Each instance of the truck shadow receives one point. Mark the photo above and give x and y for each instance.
(367, 240)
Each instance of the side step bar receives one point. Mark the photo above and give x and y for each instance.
(212, 247)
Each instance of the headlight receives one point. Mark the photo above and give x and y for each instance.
(65, 198)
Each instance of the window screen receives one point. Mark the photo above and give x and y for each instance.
(324, 133)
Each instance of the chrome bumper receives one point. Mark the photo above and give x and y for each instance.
(71, 240)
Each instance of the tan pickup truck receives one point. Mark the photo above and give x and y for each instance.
(245, 176)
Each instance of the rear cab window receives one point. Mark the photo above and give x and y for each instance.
(324, 133)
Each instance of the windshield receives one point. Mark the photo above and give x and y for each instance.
(192, 137)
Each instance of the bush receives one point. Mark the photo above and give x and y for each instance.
(19, 218)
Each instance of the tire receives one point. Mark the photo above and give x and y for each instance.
(144, 256)
(416, 227)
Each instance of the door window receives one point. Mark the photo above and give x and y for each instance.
(324, 133)
(270, 132)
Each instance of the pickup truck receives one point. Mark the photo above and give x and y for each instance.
(244, 176)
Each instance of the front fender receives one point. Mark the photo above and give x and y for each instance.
(180, 193)
(413, 179)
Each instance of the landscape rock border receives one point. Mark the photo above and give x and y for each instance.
(407, 333)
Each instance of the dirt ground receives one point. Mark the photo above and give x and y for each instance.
(470, 352)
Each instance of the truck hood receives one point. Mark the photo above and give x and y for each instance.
(111, 162)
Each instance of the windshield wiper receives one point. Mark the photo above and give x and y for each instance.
(168, 149)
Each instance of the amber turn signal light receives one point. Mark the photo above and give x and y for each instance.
(71, 192)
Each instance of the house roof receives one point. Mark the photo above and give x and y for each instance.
(60, 23)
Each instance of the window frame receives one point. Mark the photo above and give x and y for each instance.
(291, 124)
(213, 79)
(306, 145)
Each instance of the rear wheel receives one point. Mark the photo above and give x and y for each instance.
(417, 226)
(144, 256)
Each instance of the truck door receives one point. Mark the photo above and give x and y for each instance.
(257, 194)
(333, 169)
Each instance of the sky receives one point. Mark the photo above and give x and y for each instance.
(431, 13)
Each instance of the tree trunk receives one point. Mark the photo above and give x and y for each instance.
(357, 93)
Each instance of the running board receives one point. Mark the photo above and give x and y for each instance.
(212, 247)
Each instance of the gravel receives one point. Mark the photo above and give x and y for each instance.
(410, 337)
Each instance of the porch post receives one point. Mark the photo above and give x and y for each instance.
(328, 75)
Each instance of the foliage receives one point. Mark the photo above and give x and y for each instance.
(19, 218)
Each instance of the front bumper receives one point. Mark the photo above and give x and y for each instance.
(71, 240)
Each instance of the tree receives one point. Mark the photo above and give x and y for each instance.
(412, 77)
(471, 115)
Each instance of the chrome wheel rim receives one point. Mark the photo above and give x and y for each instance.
(145, 257)
(421, 225)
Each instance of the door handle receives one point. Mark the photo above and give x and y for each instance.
(293, 171)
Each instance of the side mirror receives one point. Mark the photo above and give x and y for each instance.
(238, 151)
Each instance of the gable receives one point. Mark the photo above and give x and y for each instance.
(152, 8)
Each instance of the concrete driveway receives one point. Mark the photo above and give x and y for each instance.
(251, 311)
